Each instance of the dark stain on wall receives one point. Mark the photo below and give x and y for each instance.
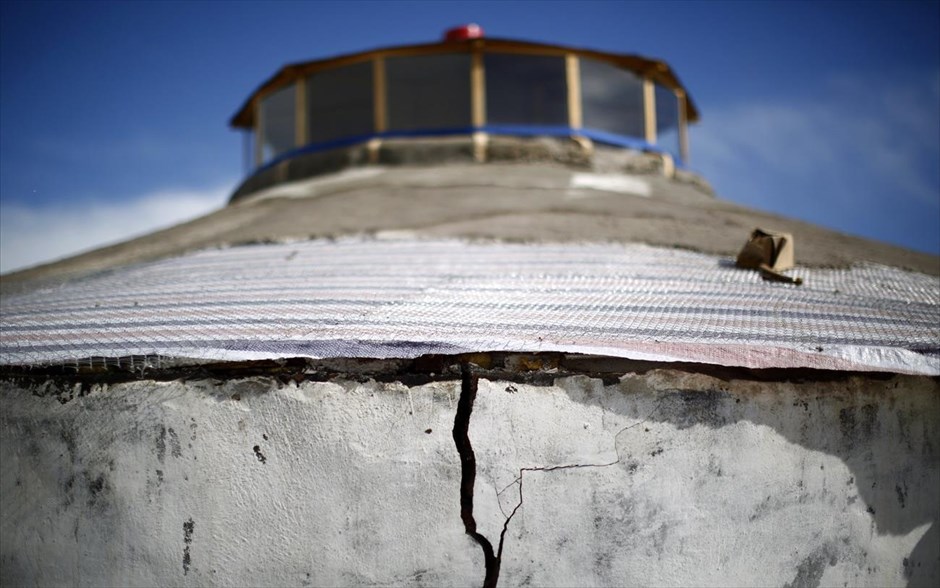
(175, 449)
(99, 491)
(188, 528)
(858, 423)
(810, 571)
(687, 408)
(68, 487)
(154, 485)
(68, 437)
(95, 487)
(901, 491)
(161, 443)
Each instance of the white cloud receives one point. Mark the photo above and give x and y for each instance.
(30, 235)
(860, 155)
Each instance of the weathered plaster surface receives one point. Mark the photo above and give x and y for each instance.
(525, 200)
(667, 478)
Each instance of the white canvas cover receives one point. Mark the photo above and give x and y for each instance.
(384, 298)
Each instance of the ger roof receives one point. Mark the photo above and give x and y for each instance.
(399, 261)
(658, 70)
(516, 201)
(399, 297)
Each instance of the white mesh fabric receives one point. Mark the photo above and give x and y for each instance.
(404, 298)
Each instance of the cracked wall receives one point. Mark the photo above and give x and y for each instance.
(666, 478)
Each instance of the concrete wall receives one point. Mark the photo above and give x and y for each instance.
(667, 478)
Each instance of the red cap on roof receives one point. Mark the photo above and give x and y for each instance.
(464, 32)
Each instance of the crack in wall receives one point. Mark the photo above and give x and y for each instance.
(572, 466)
(468, 473)
(468, 465)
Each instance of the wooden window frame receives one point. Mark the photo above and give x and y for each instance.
(649, 110)
(683, 128)
(379, 95)
(573, 77)
(478, 114)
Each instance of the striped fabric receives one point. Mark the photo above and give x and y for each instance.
(405, 298)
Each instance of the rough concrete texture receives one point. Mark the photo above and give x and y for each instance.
(664, 478)
(541, 198)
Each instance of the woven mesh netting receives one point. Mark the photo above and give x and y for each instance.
(382, 298)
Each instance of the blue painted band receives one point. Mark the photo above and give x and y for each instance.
(595, 135)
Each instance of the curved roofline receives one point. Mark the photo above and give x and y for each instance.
(657, 70)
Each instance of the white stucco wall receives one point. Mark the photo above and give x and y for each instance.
(687, 480)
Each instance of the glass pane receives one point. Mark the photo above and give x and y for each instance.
(248, 150)
(428, 91)
(667, 120)
(339, 103)
(277, 123)
(611, 98)
(526, 89)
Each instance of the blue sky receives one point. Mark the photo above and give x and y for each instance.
(113, 116)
